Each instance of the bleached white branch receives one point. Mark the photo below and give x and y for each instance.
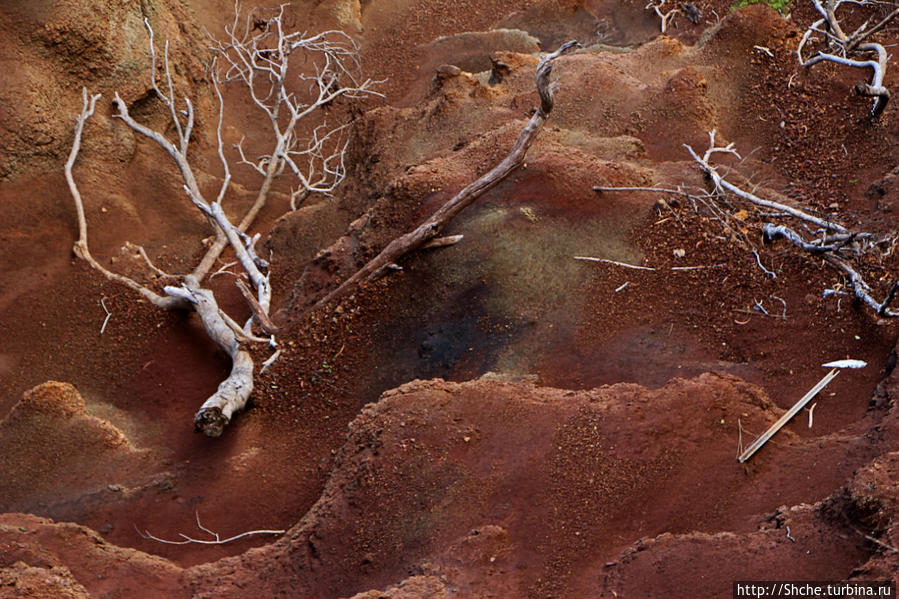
(140, 251)
(261, 61)
(851, 50)
(722, 183)
(258, 55)
(665, 18)
(108, 315)
(216, 539)
(226, 168)
(81, 247)
(835, 239)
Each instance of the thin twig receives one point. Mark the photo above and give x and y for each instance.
(783, 316)
(81, 247)
(758, 260)
(216, 539)
(143, 254)
(108, 314)
(602, 188)
(759, 307)
(875, 541)
(224, 270)
(699, 267)
(614, 262)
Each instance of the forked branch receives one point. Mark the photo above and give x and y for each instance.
(81, 248)
(215, 540)
(261, 62)
(665, 18)
(721, 183)
(261, 55)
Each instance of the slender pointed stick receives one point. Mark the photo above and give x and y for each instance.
(613, 262)
(757, 444)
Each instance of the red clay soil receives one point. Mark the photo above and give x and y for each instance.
(496, 419)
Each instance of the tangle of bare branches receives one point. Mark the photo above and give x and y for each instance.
(290, 77)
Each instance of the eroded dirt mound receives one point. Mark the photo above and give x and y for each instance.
(21, 580)
(49, 559)
(869, 506)
(835, 535)
(60, 451)
(508, 488)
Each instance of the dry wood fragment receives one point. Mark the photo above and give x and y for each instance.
(853, 49)
(613, 262)
(259, 61)
(441, 242)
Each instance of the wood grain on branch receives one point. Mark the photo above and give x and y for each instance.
(232, 393)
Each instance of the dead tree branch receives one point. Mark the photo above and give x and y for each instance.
(665, 18)
(853, 50)
(262, 59)
(834, 243)
(416, 238)
(81, 249)
(721, 184)
(261, 63)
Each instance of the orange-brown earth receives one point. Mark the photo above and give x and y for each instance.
(497, 419)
